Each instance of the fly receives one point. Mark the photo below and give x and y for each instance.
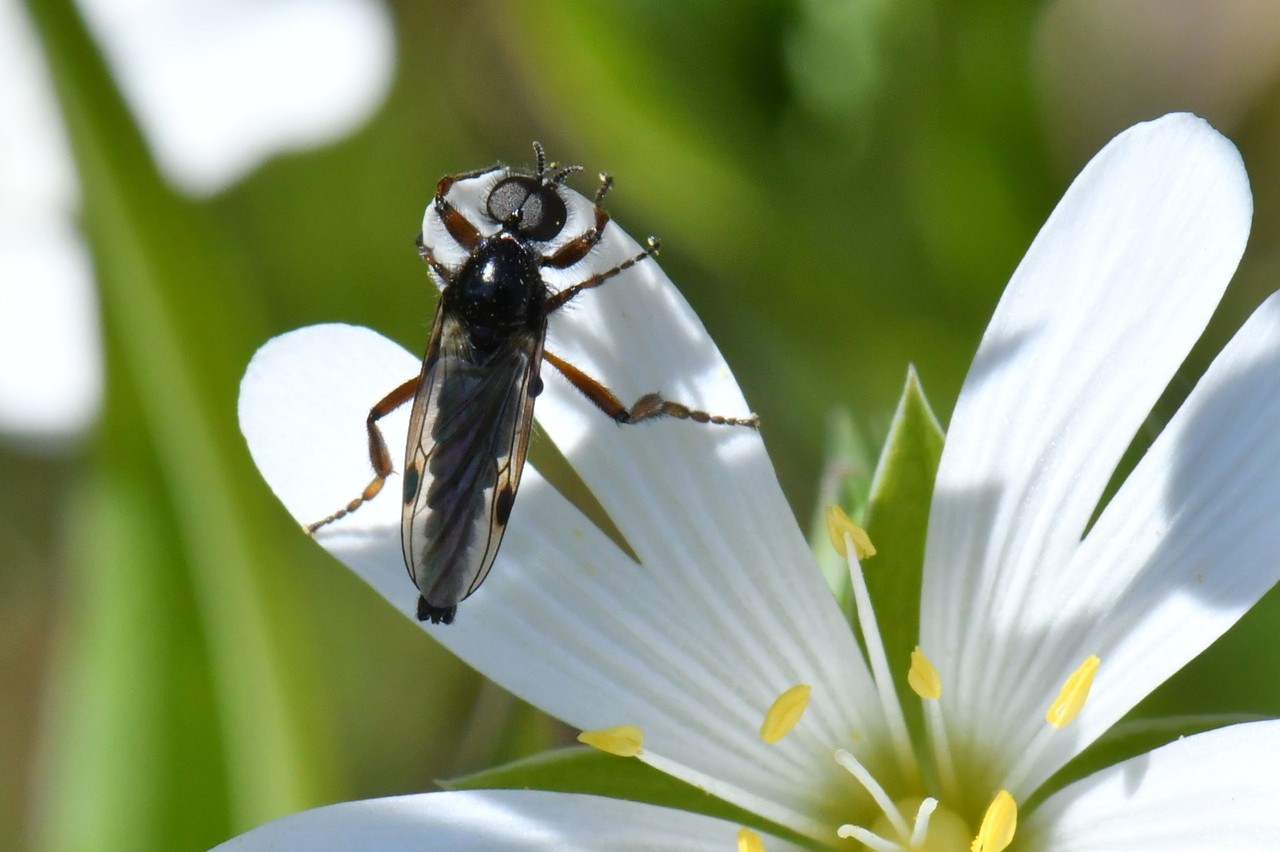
(473, 400)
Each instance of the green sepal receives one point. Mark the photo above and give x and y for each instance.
(897, 520)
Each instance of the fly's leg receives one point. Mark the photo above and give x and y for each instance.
(379, 457)
(558, 300)
(647, 407)
(651, 405)
(580, 246)
(436, 266)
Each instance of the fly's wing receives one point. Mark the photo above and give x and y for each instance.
(468, 435)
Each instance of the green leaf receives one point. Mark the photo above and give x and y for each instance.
(178, 633)
(898, 518)
(846, 481)
(578, 769)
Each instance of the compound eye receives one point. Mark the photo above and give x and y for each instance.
(533, 209)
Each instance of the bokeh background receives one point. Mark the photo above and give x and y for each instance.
(841, 189)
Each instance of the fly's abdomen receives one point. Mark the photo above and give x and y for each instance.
(459, 468)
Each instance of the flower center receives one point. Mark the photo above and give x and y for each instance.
(920, 824)
(932, 828)
(944, 830)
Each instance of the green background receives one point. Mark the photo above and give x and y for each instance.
(841, 189)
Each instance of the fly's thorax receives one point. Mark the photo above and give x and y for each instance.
(499, 289)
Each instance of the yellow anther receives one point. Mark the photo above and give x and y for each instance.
(621, 740)
(784, 713)
(923, 677)
(1075, 692)
(838, 524)
(749, 841)
(998, 825)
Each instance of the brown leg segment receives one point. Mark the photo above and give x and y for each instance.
(456, 224)
(580, 246)
(379, 457)
(647, 407)
(558, 300)
(436, 266)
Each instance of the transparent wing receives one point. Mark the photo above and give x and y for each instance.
(468, 436)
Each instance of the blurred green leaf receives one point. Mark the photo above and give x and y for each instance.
(136, 737)
(185, 657)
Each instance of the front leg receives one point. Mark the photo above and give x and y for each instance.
(436, 266)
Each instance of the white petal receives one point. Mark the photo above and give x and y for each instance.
(493, 819)
(726, 609)
(1216, 790)
(50, 352)
(1112, 294)
(219, 85)
(566, 620)
(731, 608)
(1185, 547)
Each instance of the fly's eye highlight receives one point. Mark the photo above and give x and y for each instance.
(529, 206)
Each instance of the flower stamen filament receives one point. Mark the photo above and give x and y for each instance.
(877, 793)
(926, 683)
(920, 831)
(877, 659)
(934, 829)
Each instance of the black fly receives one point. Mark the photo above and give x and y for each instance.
(473, 401)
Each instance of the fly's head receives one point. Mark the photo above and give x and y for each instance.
(530, 206)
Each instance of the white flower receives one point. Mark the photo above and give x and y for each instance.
(50, 354)
(218, 86)
(725, 611)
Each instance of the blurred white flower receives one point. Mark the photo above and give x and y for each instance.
(218, 86)
(50, 351)
(719, 641)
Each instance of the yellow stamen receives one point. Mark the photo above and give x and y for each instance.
(784, 713)
(1075, 691)
(998, 825)
(621, 740)
(838, 525)
(749, 841)
(923, 677)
